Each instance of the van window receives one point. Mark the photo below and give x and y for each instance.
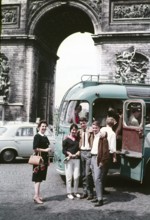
(133, 114)
(63, 112)
(76, 110)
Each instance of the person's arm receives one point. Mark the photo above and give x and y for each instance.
(77, 154)
(112, 146)
(119, 128)
(36, 145)
(65, 148)
(43, 150)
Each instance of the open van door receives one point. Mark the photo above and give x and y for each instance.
(132, 162)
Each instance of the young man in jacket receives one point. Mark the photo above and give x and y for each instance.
(99, 160)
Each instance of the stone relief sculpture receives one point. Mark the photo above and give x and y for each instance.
(131, 66)
(36, 4)
(9, 16)
(97, 6)
(4, 76)
(122, 11)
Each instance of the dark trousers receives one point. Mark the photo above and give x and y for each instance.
(86, 173)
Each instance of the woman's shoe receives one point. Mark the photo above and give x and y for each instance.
(70, 196)
(37, 200)
(77, 195)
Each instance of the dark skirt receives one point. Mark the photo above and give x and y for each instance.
(39, 173)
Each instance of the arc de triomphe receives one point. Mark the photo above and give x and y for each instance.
(32, 30)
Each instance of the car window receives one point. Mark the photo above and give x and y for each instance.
(2, 130)
(25, 131)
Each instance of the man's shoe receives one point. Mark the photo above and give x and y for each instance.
(89, 197)
(94, 200)
(83, 196)
(99, 203)
(105, 192)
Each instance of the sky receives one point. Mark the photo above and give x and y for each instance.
(77, 56)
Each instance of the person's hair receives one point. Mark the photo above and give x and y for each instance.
(78, 107)
(135, 110)
(110, 121)
(83, 119)
(111, 112)
(42, 122)
(73, 126)
(96, 123)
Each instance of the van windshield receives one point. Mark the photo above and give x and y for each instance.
(76, 110)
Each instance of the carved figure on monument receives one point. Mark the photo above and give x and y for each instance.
(35, 5)
(4, 76)
(122, 11)
(8, 16)
(131, 66)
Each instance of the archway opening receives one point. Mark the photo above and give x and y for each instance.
(77, 56)
(57, 24)
(52, 28)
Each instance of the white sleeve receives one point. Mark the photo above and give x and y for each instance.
(112, 143)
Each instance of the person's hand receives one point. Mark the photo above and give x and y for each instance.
(114, 160)
(103, 134)
(69, 154)
(90, 130)
(100, 164)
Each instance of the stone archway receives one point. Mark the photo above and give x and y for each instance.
(32, 31)
(50, 25)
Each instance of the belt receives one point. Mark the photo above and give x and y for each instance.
(93, 154)
(86, 150)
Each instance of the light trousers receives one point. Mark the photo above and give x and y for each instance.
(98, 175)
(86, 174)
(72, 169)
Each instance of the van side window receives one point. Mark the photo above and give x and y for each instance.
(134, 114)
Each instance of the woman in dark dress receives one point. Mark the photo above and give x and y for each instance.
(40, 145)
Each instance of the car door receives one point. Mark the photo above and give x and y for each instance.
(132, 161)
(24, 141)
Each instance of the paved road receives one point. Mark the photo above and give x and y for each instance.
(128, 200)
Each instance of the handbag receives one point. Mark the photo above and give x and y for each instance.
(35, 159)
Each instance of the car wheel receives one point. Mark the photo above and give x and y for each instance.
(8, 156)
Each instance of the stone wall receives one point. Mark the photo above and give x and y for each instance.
(14, 17)
(125, 16)
(118, 25)
(124, 24)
